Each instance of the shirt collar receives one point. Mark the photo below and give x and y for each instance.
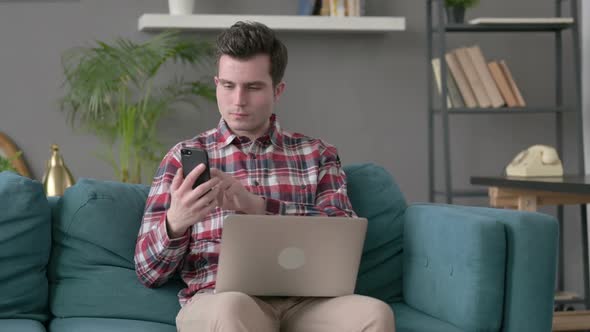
(274, 134)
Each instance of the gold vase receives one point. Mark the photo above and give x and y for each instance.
(57, 176)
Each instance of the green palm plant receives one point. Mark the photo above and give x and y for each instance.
(6, 163)
(111, 92)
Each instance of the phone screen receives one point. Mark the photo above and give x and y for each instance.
(191, 158)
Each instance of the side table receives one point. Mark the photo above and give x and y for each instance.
(527, 193)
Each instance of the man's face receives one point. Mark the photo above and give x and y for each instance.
(245, 94)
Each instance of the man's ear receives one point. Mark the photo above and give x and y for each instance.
(216, 80)
(278, 90)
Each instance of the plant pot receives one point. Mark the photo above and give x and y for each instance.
(181, 7)
(455, 14)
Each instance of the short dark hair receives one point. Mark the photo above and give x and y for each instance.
(243, 40)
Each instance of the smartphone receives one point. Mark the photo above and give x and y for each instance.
(191, 158)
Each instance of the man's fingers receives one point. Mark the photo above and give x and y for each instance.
(216, 173)
(203, 189)
(177, 180)
(209, 200)
(233, 189)
(190, 179)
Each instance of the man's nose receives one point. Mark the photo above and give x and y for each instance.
(240, 97)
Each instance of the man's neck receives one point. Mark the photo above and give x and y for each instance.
(250, 135)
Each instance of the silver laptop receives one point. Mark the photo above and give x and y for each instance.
(290, 256)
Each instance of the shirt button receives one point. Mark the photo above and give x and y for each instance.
(256, 183)
(253, 156)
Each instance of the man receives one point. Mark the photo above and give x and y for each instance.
(256, 168)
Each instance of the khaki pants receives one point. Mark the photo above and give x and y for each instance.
(238, 312)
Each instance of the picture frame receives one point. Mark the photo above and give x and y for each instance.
(8, 149)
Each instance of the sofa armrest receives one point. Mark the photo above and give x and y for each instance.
(532, 240)
(480, 268)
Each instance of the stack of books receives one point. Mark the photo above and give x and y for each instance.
(332, 7)
(473, 82)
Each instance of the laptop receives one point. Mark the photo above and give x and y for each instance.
(290, 255)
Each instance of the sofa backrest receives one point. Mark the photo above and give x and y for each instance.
(25, 243)
(375, 196)
(91, 271)
(95, 229)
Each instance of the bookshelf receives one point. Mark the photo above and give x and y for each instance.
(437, 29)
(204, 22)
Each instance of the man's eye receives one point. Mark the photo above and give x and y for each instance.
(228, 86)
(254, 87)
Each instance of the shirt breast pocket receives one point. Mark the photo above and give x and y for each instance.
(301, 189)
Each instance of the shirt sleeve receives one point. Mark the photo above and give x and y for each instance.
(156, 255)
(331, 196)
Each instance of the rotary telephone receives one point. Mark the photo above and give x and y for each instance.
(537, 160)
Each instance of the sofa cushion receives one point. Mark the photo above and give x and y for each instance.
(21, 325)
(462, 283)
(25, 243)
(375, 196)
(107, 324)
(408, 319)
(92, 272)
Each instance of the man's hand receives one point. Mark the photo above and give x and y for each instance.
(233, 195)
(189, 206)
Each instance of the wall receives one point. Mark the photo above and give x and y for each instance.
(363, 93)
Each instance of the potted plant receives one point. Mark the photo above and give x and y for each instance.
(6, 163)
(112, 93)
(456, 9)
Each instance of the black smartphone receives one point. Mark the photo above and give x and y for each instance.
(191, 158)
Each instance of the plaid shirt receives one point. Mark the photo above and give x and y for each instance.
(296, 174)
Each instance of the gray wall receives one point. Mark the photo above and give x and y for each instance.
(363, 93)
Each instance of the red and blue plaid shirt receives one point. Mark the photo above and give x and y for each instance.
(296, 174)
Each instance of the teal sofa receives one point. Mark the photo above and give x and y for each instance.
(67, 264)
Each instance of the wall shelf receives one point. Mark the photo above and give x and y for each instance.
(366, 24)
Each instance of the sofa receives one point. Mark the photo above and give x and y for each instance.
(66, 264)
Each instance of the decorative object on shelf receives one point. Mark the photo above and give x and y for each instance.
(456, 9)
(112, 93)
(537, 160)
(57, 177)
(11, 158)
(181, 7)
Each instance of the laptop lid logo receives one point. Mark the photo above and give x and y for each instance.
(291, 258)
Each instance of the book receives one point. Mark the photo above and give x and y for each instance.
(502, 84)
(437, 79)
(325, 7)
(453, 91)
(479, 62)
(460, 80)
(306, 7)
(522, 20)
(355, 7)
(512, 83)
(337, 8)
(472, 77)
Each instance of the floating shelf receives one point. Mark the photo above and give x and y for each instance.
(374, 24)
(506, 27)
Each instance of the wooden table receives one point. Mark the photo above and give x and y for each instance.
(528, 193)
